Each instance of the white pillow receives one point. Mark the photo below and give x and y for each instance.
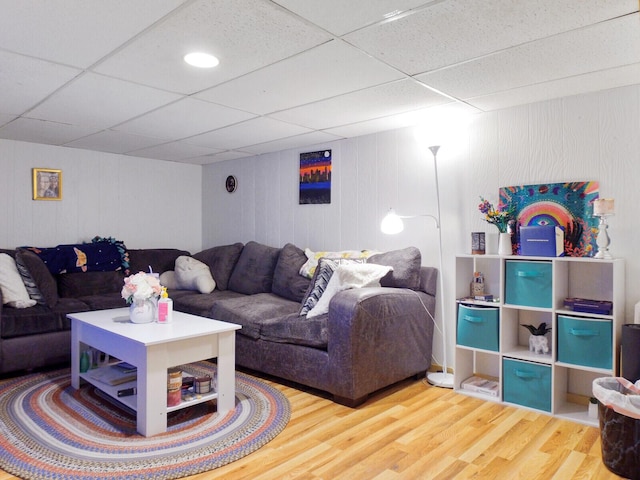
(354, 275)
(309, 268)
(192, 274)
(14, 293)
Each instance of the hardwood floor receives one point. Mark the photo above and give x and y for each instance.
(416, 431)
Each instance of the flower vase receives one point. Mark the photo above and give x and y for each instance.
(142, 311)
(504, 244)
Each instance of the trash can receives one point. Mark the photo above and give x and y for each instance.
(619, 413)
(630, 346)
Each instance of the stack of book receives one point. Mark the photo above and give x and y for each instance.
(481, 385)
(114, 374)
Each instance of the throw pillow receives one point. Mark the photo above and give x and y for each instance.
(168, 279)
(221, 261)
(309, 268)
(28, 280)
(406, 267)
(192, 274)
(321, 277)
(346, 277)
(42, 277)
(14, 293)
(287, 281)
(254, 271)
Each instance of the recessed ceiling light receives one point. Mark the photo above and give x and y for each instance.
(201, 60)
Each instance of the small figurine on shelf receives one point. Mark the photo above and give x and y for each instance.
(538, 343)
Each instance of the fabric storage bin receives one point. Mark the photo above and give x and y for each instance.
(527, 384)
(478, 327)
(585, 342)
(528, 283)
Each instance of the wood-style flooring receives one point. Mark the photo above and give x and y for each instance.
(416, 431)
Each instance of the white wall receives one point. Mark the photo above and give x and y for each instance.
(585, 137)
(145, 203)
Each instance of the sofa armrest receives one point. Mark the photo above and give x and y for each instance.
(376, 337)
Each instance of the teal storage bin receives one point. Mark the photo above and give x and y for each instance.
(528, 283)
(585, 342)
(527, 384)
(478, 327)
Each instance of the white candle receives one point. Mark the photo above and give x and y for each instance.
(603, 206)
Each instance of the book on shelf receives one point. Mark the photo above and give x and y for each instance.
(481, 385)
(112, 375)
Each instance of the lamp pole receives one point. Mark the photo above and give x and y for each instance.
(440, 379)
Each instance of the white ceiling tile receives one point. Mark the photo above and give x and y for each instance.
(100, 102)
(184, 118)
(6, 118)
(114, 142)
(589, 82)
(245, 35)
(304, 140)
(40, 131)
(340, 17)
(223, 157)
(174, 151)
(78, 33)
(380, 101)
(605, 45)
(328, 70)
(25, 81)
(450, 31)
(258, 130)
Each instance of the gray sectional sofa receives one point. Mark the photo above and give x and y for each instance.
(370, 338)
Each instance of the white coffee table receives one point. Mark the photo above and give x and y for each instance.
(154, 348)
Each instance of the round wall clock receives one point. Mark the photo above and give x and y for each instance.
(231, 184)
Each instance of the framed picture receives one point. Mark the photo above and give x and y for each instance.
(47, 184)
(315, 177)
(231, 184)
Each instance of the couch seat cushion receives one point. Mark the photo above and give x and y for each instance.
(18, 322)
(297, 330)
(253, 311)
(104, 301)
(200, 304)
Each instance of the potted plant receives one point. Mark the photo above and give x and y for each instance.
(538, 343)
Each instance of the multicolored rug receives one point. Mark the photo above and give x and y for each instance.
(49, 430)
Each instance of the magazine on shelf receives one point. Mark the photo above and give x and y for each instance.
(481, 385)
(112, 375)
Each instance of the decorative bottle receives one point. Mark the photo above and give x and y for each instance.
(165, 307)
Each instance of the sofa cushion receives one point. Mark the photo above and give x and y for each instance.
(192, 274)
(44, 280)
(74, 285)
(287, 281)
(221, 261)
(14, 293)
(159, 259)
(39, 318)
(406, 267)
(254, 271)
(251, 312)
(199, 303)
(296, 330)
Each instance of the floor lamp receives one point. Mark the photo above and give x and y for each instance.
(392, 224)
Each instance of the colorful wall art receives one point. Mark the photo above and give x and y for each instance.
(569, 205)
(315, 177)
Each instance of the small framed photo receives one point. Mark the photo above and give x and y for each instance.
(47, 184)
(231, 184)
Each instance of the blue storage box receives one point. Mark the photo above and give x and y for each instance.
(542, 241)
(585, 342)
(527, 384)
(528, 283)
(478, 327)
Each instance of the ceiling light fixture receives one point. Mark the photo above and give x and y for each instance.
(201, 60)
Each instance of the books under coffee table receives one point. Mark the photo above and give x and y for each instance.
(153, 348)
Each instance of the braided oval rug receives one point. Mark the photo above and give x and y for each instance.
(48, 430)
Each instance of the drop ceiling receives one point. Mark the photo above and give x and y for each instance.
(109, 76)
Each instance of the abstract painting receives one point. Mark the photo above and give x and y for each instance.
(568, 205)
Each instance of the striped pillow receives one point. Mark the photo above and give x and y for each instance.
(321, 277)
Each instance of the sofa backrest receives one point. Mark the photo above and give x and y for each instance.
(159, 259)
